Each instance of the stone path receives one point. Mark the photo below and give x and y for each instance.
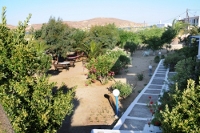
(136, 117)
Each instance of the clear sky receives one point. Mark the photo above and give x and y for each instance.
(139, 11)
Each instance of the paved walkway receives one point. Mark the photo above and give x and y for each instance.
(136, 117)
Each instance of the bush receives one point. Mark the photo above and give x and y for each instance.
(180, 54)
(162, 56)
(104, 67)
(130, 46)
(184, 115)
(156, 59)
(124, 89)
(140, 76)
(172, 60)
(185, 70)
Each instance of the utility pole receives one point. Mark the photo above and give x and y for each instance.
(187, 16)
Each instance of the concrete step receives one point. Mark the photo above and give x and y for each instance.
(113, 131)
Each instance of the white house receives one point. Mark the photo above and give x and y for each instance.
(160, 25)
(192, 20)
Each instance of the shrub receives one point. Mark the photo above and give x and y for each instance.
(104, 67)
(185, 70)
(172, 60)
(180, 54)
(184, 116)
(125, 89)
(130, 46)
(140, 76)
(156, 59)
(162, 56)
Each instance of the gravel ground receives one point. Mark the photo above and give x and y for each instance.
(5, 126)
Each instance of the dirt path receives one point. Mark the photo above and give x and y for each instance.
(93, 109)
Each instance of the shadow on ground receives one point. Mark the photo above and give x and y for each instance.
(86, 129)
(67, 128)
(53, 72)
(111, 101)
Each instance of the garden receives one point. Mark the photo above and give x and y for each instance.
(39, 99)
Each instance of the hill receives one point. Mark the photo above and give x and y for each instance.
(102, 21)
(86, 24)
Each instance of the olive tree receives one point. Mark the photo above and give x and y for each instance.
(56, 34)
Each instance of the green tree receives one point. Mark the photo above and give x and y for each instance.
(37, 34)
(56, 35)
(152, 37)
(173, 31)
(106, 35)
(26, 94)
(77, 38)
(168, 35)
(127, 36)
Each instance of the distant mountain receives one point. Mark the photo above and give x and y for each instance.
(86, 24)
(11, 26)
(102, 21)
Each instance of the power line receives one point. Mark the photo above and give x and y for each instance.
(182, 14)
(175, 17)
(193, 13)
(185, 12)
(195, 9)
(169, 19)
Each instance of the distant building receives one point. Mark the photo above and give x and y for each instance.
(192, 20)
(163, 25)
(160, 25)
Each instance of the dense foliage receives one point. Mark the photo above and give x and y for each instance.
(181, 54)
(26, 94)
(152, 37)
(186, 69)
(92, 50)
(127, 36)
(157, 59)
(124, 89)
(56, 35)
(179, 105)
(184, 115)
(105, 66)
(130, 47)
(107, 35)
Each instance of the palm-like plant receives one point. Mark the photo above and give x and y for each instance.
(92, 50)
(179, 27)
